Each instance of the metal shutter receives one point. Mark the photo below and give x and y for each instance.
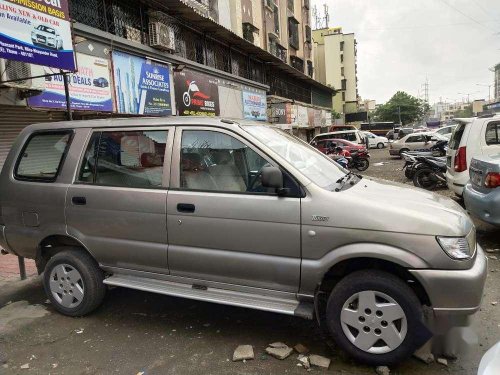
(13, 119)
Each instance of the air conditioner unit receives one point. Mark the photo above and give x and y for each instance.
(161, 36)
(19, 74)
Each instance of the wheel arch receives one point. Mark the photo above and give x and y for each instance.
(52, 244)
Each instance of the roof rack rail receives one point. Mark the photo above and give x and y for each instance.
(487, 115)
(226, 121)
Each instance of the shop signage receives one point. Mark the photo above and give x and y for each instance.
(254, 105)
(302, 117)
(89, 88)
(37, 32)
(196, 94)
(141, 86)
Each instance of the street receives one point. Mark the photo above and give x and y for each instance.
(135, 332)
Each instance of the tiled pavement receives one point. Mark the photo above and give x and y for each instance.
(9, 268)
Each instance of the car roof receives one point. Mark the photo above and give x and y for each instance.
(339, 132)
(146, 121)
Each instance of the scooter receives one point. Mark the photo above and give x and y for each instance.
(360, 160)
(429, 173)
(436, 152)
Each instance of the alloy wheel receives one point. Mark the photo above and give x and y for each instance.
(66, 285)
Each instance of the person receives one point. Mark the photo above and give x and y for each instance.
(342, 152)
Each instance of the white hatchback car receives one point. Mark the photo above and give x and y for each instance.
(446, 131)
(472, 137)
(376, 141)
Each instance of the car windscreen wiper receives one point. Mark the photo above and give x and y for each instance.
(343, 180)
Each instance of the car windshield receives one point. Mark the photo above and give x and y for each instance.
(47, 29)
(317, 167)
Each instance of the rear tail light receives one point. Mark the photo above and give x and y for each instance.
(492, 180)
(461, 160)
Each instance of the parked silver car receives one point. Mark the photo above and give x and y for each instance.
(482, 192)
(241, 214)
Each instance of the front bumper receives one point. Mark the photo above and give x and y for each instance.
(483, 206)
(455, 292)
(457, 182)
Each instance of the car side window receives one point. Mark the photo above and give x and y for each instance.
(125, 158)
(42, 156)
(492, 135)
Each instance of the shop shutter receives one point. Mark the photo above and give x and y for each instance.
(13, 119)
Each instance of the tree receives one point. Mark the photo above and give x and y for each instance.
(464, 113)
(335, 115)
(412, 109)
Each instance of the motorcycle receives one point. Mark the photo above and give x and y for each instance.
(436, 152)
(360, 160)
(429, 173)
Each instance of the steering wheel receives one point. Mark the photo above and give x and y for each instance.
(251, 185)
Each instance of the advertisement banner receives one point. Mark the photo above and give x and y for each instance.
(37, 32)
(254, 106)
(89, 88)
(196, 94)
(302, 117)
(141, 87)
(280, 113)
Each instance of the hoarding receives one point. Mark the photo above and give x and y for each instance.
(89, 88)
(141, 86)
(254, 105)
(37, 32)
(196, 94)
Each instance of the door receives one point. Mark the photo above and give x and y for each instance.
(223, 225)
(117, 206)
(415, 142)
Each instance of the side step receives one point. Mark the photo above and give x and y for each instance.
(222, 296)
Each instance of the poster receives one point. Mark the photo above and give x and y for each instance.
(37, 32)
(196, 94)
(89, 88)
(141, 86)
(302, 117)
(254, 105)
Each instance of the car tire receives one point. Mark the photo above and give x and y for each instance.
(73, 282)
(380, 145)
(405, 335)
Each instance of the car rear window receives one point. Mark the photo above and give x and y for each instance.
(456, 136)
(42, 156)
(492, 135)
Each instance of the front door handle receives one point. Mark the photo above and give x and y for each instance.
(185, 207)
(79, 201)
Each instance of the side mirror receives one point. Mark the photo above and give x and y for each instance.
(272, 177)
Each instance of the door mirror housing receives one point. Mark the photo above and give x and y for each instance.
(272, 177)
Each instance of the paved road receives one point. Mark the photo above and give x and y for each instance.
(135, 331)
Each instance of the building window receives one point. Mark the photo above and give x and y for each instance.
(297, 63)
(249, 31)
(276, 14)
(342, 71)
(293, 32)
(290, 6)
(341, 58)
(344, 84)
(341, 46)
(308, 34)
(343, 96)
(276, 49)
(310, 69)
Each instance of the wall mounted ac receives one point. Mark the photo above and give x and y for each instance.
(20, 73)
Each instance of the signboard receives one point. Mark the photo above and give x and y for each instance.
(141, 87)
(302, 117)
(196, 94)
(254, 105)
(280, 113)
(37, 32)
(89, 88)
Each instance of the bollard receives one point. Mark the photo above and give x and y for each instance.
(22, 268)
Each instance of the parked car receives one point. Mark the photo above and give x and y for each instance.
(340, 128)
(482, 192)
(446, 131)
(471, 138)
(240, 214)
(355, 136)
(376, 141)
(398, 133)
(490, 362)
(414, 142)
(100, 82)
(46, 36)
(325, 144)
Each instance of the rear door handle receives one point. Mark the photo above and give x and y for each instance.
(79, 201)
(185, 207)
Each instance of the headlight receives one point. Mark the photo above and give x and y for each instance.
(456, 247)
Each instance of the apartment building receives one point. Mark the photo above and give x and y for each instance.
(335, 63)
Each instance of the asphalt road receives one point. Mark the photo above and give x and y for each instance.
(136, 332)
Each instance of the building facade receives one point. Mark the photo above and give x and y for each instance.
(496, 70)
(335, 55)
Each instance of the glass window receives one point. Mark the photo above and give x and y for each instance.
(125, 158)
(493, 134)
(215, 161)
(42, 156)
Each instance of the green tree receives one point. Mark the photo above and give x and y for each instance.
(335, 115)
(412, 109)
(464, 113)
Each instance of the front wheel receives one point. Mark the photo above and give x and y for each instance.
(362, 164)
(424, 178)
(380, 145)
(375, 317)
(73, 282)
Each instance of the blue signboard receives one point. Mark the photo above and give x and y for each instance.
(254, 105)
(141, 87)
(37, 33)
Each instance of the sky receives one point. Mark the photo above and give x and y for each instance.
(401, 43)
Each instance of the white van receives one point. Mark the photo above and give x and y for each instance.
(472, 137)
(354, 136)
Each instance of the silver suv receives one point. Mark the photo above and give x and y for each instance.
(241, 214)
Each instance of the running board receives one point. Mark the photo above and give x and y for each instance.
(208, 294)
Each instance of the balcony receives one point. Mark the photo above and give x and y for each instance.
(297, 63)
(276, 49)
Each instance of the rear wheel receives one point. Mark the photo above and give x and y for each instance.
(73, 282)
(362, 164)
(424, 178)
(380, 145)
(375, 317)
